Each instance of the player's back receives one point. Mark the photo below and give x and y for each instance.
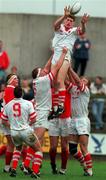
(18, 112)
(80, 101)
(42, 91)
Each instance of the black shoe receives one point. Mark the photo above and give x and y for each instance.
(51, 115)
(34, 175)
(59, 111)
(54, 169)
(13, 173)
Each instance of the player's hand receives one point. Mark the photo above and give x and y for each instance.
(67, 10)
(65, 49)
(85, 18)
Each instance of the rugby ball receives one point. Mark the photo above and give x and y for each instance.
(76, 7)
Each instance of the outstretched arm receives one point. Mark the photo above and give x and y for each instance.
(84, 21)
(47, 67)
(59, 21)
(75, 77)
(57, 66)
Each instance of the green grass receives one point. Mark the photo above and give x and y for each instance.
(74, 172)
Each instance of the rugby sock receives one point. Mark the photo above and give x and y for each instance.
(38, 156)
(29, 156)
(8, 157)
(64, 158)
(3, 150)
(52, 154)
(61, 97)
(24, 153)
(55, 100)
(79, 156)
(16, 157)
(88, 161)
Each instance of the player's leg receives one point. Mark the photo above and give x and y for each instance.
(9, 153)
(61, 87)
(83, 140)
(64, 154)
(54, 136)
(64, 127)
(53, 152)
(38, 156)
(73, 143)
(16, 138)
(83, 130)
(15, 160)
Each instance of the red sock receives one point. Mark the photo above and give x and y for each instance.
(3, 150)
(8, 157)
(64, 158)
(37, 162)
(24, 153)
(16, 157)
(62, 95)
(79, 156)
(29, 156)
(52, 154)
(55, 100)
(88, 161)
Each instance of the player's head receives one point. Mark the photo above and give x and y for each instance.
(69, 22)
(36, 73)
(12, 79)
(86, 81)
(18, 92)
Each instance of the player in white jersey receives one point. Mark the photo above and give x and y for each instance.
(19, 114)
(42, 81)
(65, 35)
(80, 124)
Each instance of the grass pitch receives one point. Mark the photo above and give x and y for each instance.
(74, 172)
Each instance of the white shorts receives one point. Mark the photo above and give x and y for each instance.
(41, 119)
(79, 126)
(59, 127)
(57, 55)
(23, 136)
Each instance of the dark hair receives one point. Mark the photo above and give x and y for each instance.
(72, 17)
(34, 73)
(18, 92)
(8, 77)
(99, 77)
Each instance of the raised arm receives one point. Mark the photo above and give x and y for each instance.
(47, 67)
(59, 21)
(57, 66)
(84, 21)
(75, 77)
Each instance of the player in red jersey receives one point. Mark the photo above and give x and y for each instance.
(58, 127)
(12, 82)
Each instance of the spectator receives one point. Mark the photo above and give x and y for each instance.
(4, 63)
(81, 53)
(14, 70)
(28, 93)
(98, 92)
(2, 87)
